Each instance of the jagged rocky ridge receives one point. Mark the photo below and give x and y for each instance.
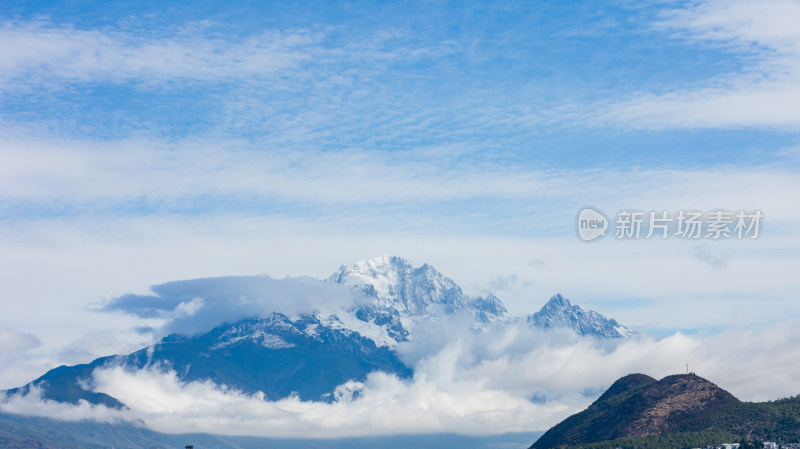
(401, 296)
(558, 312)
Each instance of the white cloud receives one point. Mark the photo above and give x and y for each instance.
(762, 93)
(20, 357)
(42, 54)
(56, 263)
(470, 385)
(704, 254)
(12, 341)
(196, 306)
(354, 205)
(189, 308)
(24, 357)
(131, 169)
(33, 404)
(128, 254)
(753, 364)
(383, 404)
(90, 176)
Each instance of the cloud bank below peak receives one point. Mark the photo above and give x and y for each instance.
(469, 385)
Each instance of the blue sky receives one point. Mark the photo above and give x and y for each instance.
(513, 83)
(437, 87)
(142, 144)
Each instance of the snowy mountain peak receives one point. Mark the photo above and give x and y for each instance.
(491, 304)
(274, 331)
(269, 332)
(559, 312)
(403, 295)
(559, 302)
(396, 284)
(384, 268)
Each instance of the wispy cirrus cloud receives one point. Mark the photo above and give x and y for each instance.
(761, 92)
(42, 54)
(19, 356)
(13, 341)
(76, 172)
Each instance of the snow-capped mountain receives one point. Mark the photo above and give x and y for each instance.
(403, 295)
(311, 354)
(276, 355)
(558, 312)
(396, 285)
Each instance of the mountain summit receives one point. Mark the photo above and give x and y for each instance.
(558, 312)
(398, 286)
(403, 295)
(640, 406)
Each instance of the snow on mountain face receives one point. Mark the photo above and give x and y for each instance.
(395, 284)
(271, 332)
(558, 312)
(488, 307)
(275, 354)
(403, 295)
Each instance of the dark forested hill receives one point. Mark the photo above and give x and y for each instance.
(676, 411)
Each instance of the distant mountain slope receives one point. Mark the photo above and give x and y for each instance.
(23, 432)
(558, 312)
(638, 411)
(20, 432)
(274, 354)
(66, 384)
